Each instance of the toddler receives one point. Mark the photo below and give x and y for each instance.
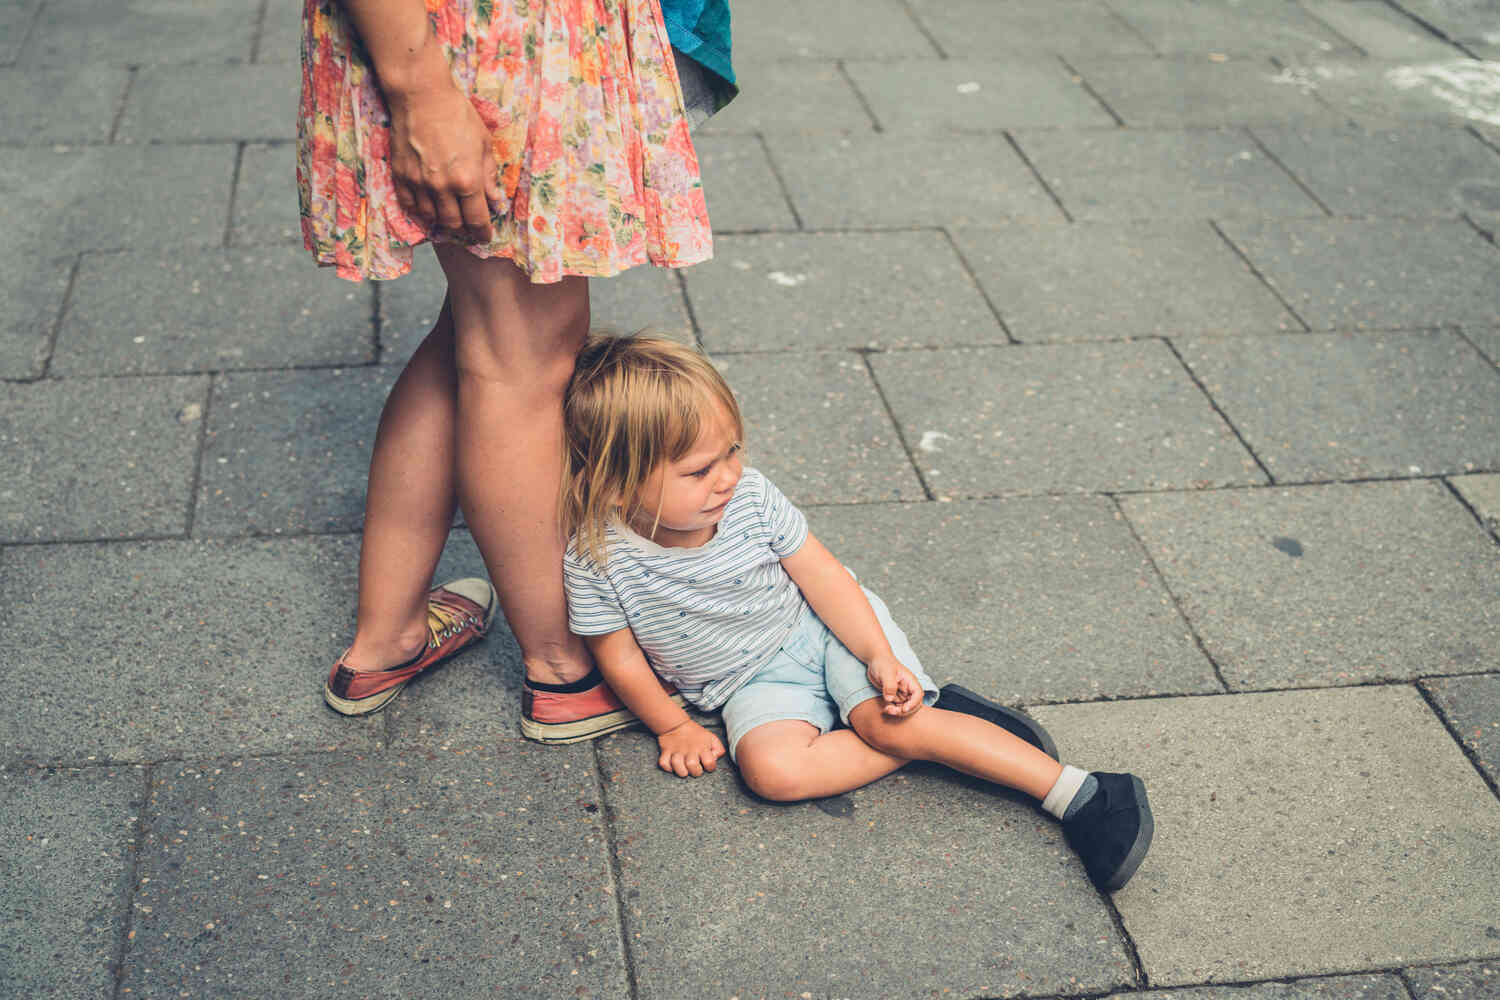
(689, 568)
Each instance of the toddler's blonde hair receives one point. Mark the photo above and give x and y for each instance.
(633, 403)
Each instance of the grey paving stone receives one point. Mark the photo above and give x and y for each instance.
(176, 648)
(1378, 274)
(289, 451)
(31, 296)
(896, 180)
(1067, 27)
(1123, 175)
(1464, 20)
(1339, 406)
(33, 97)
(741, 186)
(1327, 585)
(470, 872)
(113, 197)
(1372, 987)
(1394, 91)
(15, 20)
(816, 426)
(1472, 707)
(265, 197)
(98, 458)
(1228, 27)
(785, 29)
(640, 297)
(975, 95)
(1381, 30)
(1003, 906)
(94, 32)
(263, 307)
(1105, 281)
(280, 36)
(790, 97)
(1297, 833)
(68, 836)
(791, 291)
(1420, 170)
(1483, 494)
(1044, 599)
(1058, 419)
(1470, 981)
(176, 103)
(1194, 91)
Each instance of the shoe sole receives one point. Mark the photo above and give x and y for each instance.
(1143, 835)
(364, 706)
(581, 730)
(1042, 738)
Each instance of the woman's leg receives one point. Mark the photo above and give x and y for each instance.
(514, 349)
(409, 504)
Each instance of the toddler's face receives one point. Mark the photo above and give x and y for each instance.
(685, 499)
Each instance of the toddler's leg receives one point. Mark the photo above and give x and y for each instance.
(790, 760)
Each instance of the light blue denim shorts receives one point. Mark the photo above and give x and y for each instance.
(814, 677)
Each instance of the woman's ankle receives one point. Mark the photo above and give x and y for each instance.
(550, 670)
(381, 653)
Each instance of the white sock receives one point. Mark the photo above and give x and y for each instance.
(1061, 796)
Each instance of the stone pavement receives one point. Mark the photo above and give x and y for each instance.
(1141, 353)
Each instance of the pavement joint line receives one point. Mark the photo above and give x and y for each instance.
(1131, 29)
(257, 34)
(1364, 53)
(687, 304)
(1447, 480)
(1482, 137)
(1056, 200)
(786, 192)
(978, 285)
(864, 102)
(1084, 82)
(1484, 234)
(1406, 983)
(1266, 150)
(1265, 281)
(234, 189)
(1373, 682)
(1426, 26)
(377, 326)
(199, 448)
(49, 342)
(1495, 361)
(1176, 606)
(922, 27)
(132, 885)
(114, 126)
(612, 857)
(1137, 965)
(1469, 754)
(312, 366)
(1218, 409)
(890, 414)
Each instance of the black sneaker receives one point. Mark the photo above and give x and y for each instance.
(1112, 830)
(956, 698)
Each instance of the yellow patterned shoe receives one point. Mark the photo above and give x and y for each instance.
(458, 615)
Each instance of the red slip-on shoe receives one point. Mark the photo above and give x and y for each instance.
(572, 713)
(458, 615)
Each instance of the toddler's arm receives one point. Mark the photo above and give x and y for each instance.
(841, 604)
(686, 747)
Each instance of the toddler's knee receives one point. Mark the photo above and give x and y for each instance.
(772, 780)
(892, 735)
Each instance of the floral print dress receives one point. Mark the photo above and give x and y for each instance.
(584, 108)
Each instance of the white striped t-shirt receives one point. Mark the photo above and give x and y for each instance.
(705, 617)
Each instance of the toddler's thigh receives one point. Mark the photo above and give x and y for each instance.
(844, 673)
(775, 696)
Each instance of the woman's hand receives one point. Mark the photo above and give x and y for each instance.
(442, 166)
(689, 749)
(898, 686)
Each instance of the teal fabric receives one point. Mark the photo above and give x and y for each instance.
(699, 29)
